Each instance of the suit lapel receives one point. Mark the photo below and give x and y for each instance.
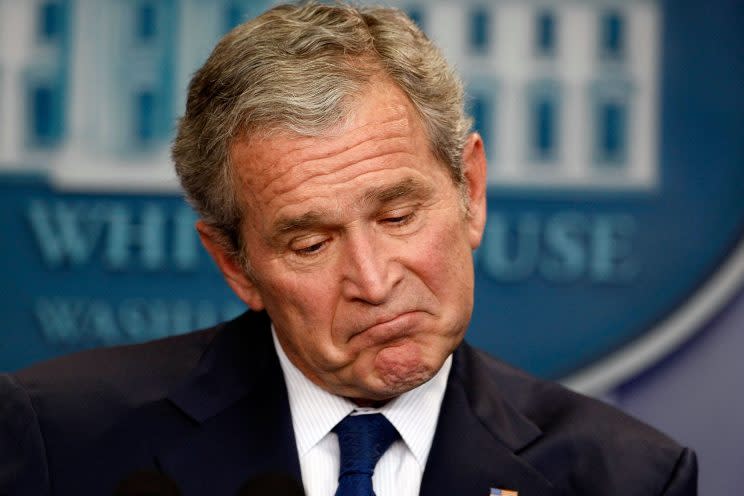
(238, 404)
(478, 438)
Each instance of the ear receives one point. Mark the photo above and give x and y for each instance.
(474, 168)
(234, 274)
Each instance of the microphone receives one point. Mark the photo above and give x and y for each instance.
(147, 483)
(271, 485)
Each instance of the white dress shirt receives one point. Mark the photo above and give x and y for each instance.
(315, 412)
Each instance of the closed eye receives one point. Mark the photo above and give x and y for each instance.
(310, 247)
(399, 220)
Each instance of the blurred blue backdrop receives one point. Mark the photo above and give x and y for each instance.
(613, 255)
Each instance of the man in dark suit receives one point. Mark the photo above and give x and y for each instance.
(341, 195)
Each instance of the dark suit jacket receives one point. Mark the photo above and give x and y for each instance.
(210, 409)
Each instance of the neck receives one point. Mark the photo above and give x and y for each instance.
(364, 403)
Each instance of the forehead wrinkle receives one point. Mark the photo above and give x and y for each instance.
(343, 167)
(377, 195)
(319, 147)
(315, 154)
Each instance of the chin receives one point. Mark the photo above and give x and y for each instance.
(400, 371)
(390, 383)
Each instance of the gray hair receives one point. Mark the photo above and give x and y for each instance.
(297, 68)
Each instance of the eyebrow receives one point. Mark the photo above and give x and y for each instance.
(305, 221)
(408, 188)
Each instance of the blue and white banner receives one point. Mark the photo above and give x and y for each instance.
(616, 173)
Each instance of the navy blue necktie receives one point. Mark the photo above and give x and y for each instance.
(362, 439)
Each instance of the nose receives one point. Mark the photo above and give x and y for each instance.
(370, 273)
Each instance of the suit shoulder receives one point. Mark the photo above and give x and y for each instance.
(51, 412)
(119, 367)
(85, 391)
(551, 405)
(586, 443)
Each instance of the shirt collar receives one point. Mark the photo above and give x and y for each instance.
(315, 411)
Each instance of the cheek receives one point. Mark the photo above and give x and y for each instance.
(306, 301)
(290, 286)
(446, 260)
(305, 311)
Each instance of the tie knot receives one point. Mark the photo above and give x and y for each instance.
(362, 440)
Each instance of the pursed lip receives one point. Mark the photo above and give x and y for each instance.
(387, 328)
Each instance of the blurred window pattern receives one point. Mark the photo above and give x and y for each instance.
(611, 123)
(146, 22)
(45, 119)
(612, 120)
(545, 112)
(480, 25)
(544, 121)
(545, 34)
(50, 22)
(482, 110)
(145, 105)
(612, 35)
(131, 59)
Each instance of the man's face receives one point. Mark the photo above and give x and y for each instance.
(360, 247)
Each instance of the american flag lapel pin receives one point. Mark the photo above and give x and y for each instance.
(502, 492)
